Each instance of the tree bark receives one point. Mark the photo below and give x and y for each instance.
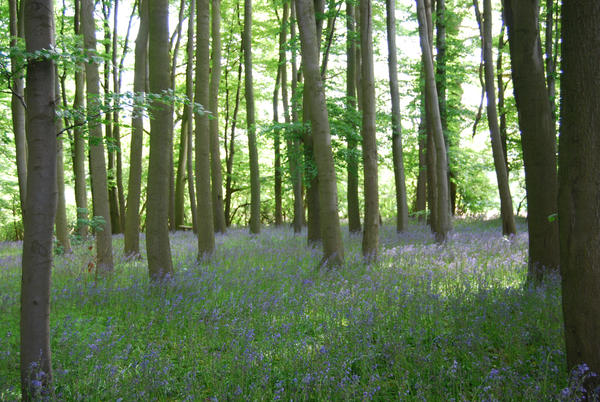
(104, 257)
(501, 101)
(250, 121)
(40, 204)
(354, 225)
(549, 50)
(60, 221)
(538, 136)
(215, 157)
(230, 154)
(399, 179)
(442, 224)
(206, 234)
(132, 218)
(420, 207)
(277, 144)
(370, 241)
(158, 247)
(333, 251)
(506, 207)
(17, 102)
(579, 192)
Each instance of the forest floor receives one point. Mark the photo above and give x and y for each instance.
(257, 321)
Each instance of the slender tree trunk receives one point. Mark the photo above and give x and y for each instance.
(158, 247)
(370, 241)
(538, 136)
(333, 251)
(277, 145)
(313, 232)
(60, 222)
(104, 257)
(431, 153)
(230, 154)
(296, 152)
(40, 204)
(17, 102)
(506, 208)
(443, 223)
(132, 225)
(579, 192)
(354, 225)
(250, 121)
(421, 190)
(78, 151)
(501, 102)
(189, 123)
(549, 50)
(206, 234)
(399, 179)
(215, 156)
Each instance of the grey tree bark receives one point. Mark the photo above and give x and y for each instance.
(506, 207)
(132, 218)
(158, 249)
(250, 121)
(40, 203)
(399, 178)
(370, 241)
(215, 156)
(579, 192)
(206, 234)
(442, 224)
(354, 225)
(104, 257)
(538, 136)
(277, 146)
(333, 251)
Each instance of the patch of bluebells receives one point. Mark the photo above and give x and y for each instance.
(256, 321)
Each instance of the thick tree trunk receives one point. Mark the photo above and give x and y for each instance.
(250, 121)
(296, 152)
(330, 226)
(40, 204)
(313, 230)
(370, 241)
(579, 192)
(354, 225)
(206, 234)
(506, 207)
(215, 156)
(398, 160)
(538, 136)
(132, 218)
(442, 224)
(17, 102)
(550, 52)
(158, 246)
(104, 257)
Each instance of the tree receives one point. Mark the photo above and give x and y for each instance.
(333, 251)
(442, 223)
(538, 136)
(132, 217)
(352, 159)
(158, 247)
(206, 234)
(506, 208)
(579, 163)
(213, 106)
(104, 257)
(370, 242)
(40, 202)
(60, 222)
(398, 160)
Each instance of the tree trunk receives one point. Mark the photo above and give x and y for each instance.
(399, 179)
(296, 152)
(354, 225)
(506, 208)
(313, 230)
(189, 112)
(40, 204)
(421, 190)
(277, 146)
(370, 241)
(98, 177)
(17, 102)
(442, 224)
(538, 136)
(206, 234)
(501, 102)
(158, 247)
(333, 251)
(60, 222)
(215, 157)
(229, 159)
(250, 121)
(132, 218)
(579, 163)
(431, 157)
(549, 50)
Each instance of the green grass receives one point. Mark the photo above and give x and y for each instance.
(258, 322)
